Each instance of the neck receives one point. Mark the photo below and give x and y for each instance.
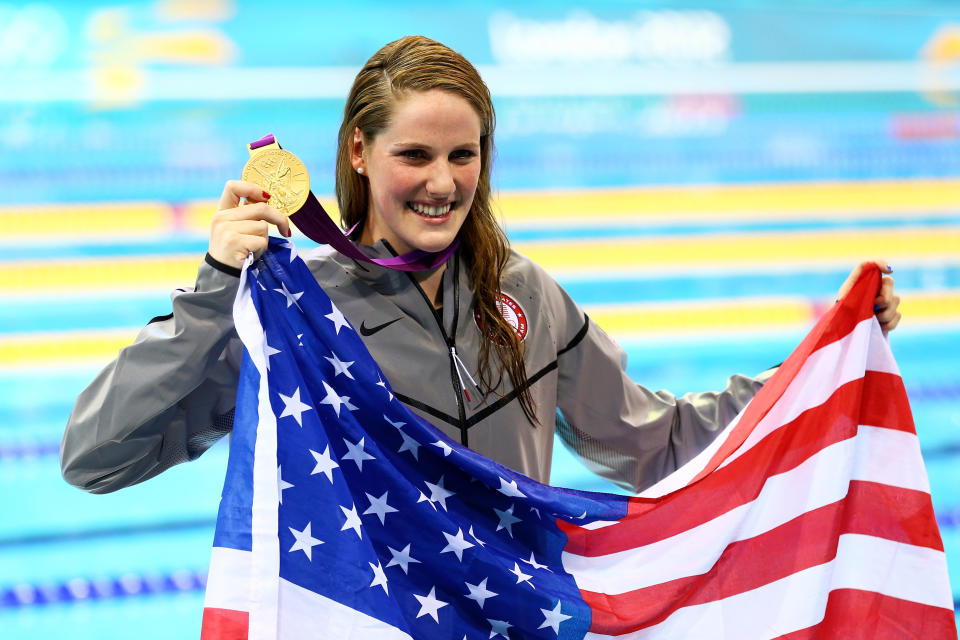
(430, 282)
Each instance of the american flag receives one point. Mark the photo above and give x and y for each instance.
(344, 515)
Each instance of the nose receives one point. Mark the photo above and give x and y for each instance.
(440, 182)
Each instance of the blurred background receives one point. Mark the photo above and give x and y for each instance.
(701, 176)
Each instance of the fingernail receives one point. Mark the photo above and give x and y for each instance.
(889, 268)
(266, 195)
(288, 233)
(876, 308)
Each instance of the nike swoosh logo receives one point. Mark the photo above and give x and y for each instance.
(369, 331)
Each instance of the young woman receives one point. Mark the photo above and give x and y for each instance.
(413, 169)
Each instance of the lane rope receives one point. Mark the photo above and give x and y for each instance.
(102, 588)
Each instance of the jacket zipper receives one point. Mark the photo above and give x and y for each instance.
(455, 379)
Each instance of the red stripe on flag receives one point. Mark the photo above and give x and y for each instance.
(740, 482)
(224, 624)
(901, 515)
(864, 615)
(836, 324)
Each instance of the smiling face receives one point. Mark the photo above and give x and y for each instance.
(422, 171)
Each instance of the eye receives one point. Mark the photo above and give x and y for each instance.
(414, 154)
(463, 154)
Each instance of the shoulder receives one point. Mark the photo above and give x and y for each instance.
(542, 297)
(526, 277)
(322, 263)
(520, 271)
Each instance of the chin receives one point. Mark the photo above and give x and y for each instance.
(434, 243)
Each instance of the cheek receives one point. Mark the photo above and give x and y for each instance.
(401, 180)
(468, 177)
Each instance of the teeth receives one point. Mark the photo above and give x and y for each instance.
(430, 212)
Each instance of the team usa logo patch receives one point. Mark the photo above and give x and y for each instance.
(512, 312)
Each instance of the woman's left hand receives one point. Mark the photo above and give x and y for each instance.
(886, 302)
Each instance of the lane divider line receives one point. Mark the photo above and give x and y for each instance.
(623, 322)
(102, 588)
(760, 201)
(715, 251)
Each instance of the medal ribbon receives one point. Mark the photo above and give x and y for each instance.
(313, 220)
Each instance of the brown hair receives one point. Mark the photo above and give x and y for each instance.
(416, 63)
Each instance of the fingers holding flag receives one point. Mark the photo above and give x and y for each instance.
(887, 302)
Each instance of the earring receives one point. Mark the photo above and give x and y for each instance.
(360, 170)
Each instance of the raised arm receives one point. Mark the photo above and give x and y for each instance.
(170, 395)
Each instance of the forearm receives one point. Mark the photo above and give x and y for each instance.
(155, 405)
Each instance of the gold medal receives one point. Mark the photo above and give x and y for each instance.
(279, 173)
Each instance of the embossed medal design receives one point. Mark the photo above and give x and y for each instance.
(281, 174)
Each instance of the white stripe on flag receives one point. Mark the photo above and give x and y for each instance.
(306, 615)
(303, 614)
(820, 480)
(816, 381)
(264, 583)
(825, 371)
(799, 601)
(228, 578)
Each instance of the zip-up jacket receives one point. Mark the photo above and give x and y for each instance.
(170, 395)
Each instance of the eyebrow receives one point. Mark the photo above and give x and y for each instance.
(423, 145)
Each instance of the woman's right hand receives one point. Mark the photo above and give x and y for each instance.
(239, 228)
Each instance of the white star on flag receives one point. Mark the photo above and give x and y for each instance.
(337, 319)
(304, 541)
(472, 535)
(325, 464)
(401, 558)
(383, 384)
(281, 485)
(335, 400)
(356, 453)
(533, 563)
(395, 425)
(291, 297)
(443, 446)
(510, 489)
(379, 577)
(479, 592)
(429, 605)
(521, 576)
(456, 544)
(269, 351)
(353, 520)
(507, 519)
(339, 366)
(499, 628)
(409, 444)
(379, 507)
(424, 498)
(293, 407)
(552, 618)
(287, 244)
(438, 494)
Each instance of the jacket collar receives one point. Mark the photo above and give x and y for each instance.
(391, 281)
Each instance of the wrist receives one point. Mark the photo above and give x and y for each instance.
(222, 267)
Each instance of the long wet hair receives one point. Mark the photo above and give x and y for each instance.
(416, 63)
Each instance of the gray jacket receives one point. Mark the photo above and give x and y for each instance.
(170, 395)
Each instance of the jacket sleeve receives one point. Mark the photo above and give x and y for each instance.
(165, 399)
(624, 432)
